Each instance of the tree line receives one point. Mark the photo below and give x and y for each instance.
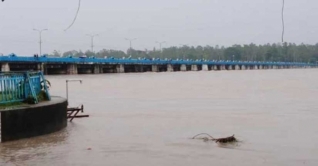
(285, 52)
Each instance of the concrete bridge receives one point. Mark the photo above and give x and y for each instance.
(72, 65)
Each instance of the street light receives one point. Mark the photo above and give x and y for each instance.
(40, 42)
(160, 44)
(160, 47)
(67, 86)
(130, 40)
(92, 40)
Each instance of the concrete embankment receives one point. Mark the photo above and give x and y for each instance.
(33, 120)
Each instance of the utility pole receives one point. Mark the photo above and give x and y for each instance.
(92, 40)
(40, 42)
(160, 47)
(160, 44)
(130, 41)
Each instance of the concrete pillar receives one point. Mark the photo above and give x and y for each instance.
(215, 67)
(194, 68)
(42, 68)
(5, 67)
(170, 68)
(255, 67)
(97, 69)
(120, 69)
(205, 68)
(71, 69)
(237, 67)
(230, 67)
(260, 67)
(247, 67)
(243, 67)
(39, 67)
(154, 68)
(183, 67)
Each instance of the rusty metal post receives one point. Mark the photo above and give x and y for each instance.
(67, 87)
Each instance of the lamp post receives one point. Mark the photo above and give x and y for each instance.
(92, 40)
(40, 42)
(67, 87)
(130, 41)
(160, 43)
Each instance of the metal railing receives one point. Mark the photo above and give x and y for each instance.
(19, 86)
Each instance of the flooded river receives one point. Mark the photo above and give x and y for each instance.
(144, 119)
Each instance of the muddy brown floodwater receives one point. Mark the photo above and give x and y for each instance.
(147, 119)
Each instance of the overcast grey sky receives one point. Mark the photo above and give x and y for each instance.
(191, 22)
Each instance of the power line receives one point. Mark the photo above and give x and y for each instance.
(283, 23)
(78, 8)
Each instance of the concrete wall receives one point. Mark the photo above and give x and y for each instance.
(35, 120)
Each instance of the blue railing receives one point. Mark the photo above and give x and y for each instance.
(19, 86)
(43, 59)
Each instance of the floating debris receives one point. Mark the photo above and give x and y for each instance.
(72, 112)
(230, 139)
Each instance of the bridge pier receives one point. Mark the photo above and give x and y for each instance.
(183, 67)
(260, 67)
(194, 68)
(237, 67)
(243, 67)
(170, 68)
(217, 67)
(205, 67)
(154, 68)
(120, 69)
(42, 67)
(97, 69)
(5, 67)
(72, 69)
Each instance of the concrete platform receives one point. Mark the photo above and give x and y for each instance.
(24, 121)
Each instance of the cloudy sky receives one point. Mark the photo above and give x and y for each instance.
(178, 22)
